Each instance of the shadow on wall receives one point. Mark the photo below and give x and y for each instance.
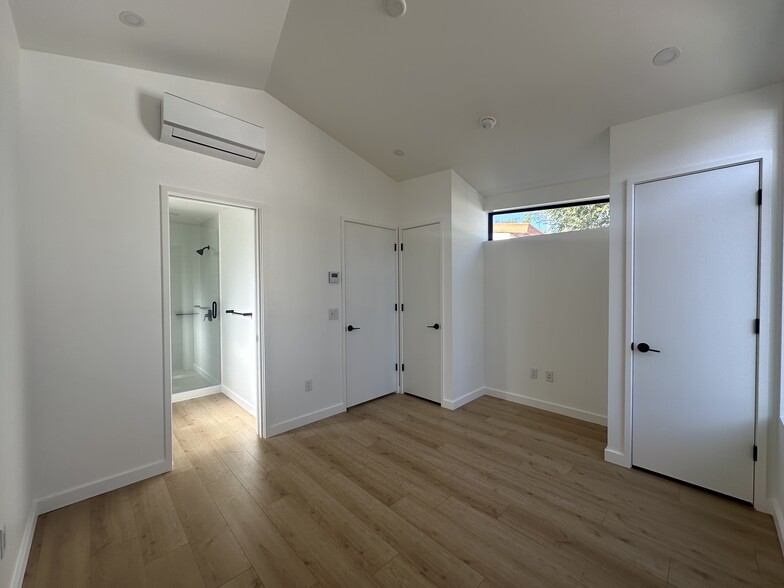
(150, 113)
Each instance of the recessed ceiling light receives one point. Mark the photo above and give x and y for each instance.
(666, 56)
(399, 152)
(487, 122)
(131, 19)
(395, 7)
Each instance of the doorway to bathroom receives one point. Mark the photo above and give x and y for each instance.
(212, 303)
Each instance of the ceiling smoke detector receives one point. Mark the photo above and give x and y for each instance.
(487, 122)
(399, 152)
(395, 7)
(666, 56)
(131, 19)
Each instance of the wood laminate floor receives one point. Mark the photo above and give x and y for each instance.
(401, 493)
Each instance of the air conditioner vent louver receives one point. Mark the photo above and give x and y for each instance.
(204, 130)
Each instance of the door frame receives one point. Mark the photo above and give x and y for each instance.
(261, 396)
(442, 322)
(764, 339)
(356, 221)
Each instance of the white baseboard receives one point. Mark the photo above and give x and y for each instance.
(778, 519)
(85, 491)
(24, 548)
(616, 457)
(576, 413)
(464, 399)
(239, 400)
(72, 496)
(199, 393)
(305, 419)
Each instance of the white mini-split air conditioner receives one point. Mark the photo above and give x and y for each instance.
(204, 130)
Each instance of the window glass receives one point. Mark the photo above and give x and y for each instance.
(530, 222)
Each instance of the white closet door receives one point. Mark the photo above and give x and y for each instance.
(421, 316)
(371, 319)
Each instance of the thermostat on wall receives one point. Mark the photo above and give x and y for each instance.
(334, 277)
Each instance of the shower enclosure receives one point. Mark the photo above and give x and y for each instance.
(195, 301)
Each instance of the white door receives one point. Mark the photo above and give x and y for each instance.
(421, 315)
(371, 314)
(695, 347)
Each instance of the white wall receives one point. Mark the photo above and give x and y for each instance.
(469, 232)
(93, 258)
(426, 198)
(546, 308)
(582, 190)
(692, 137)
(238, 292)
(15, 474)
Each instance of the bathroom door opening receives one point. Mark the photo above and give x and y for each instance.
(212, 304)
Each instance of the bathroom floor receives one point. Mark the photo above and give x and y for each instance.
(185, 380)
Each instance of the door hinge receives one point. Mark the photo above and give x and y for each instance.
(754, 453)
(756, 326)
(759, 197)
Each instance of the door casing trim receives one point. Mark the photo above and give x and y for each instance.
(261, 397)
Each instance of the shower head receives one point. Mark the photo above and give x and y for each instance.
(202, 250)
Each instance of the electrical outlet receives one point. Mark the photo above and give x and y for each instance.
(309, 385)
(334, 314)
(2, 543)
(534, 373)
(548, 376)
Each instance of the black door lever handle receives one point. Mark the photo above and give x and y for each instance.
(435, 326)
(645, 348)
(352, 328)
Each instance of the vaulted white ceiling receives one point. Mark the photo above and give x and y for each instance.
(556, 73)
(230, 41)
